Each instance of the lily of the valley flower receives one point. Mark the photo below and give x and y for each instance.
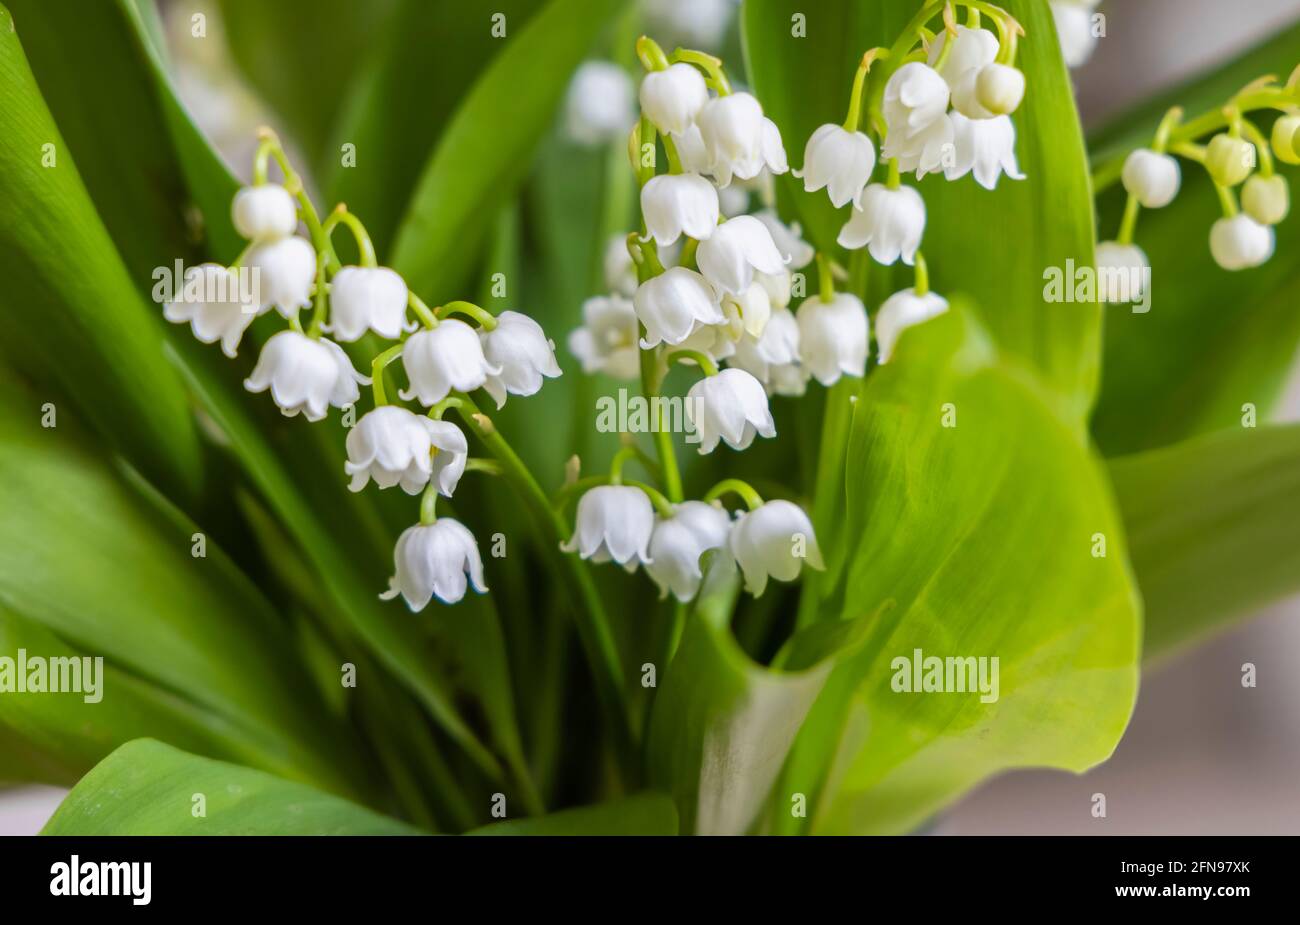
(678, 542)
(444, 358)
(305, 375)
(1121, 272)
(1152, 177)
(367, 299)
(985, 146)
(730, 406)
(433, 560)
(607, 341)
(677, 204)
(1228, 159)
(918, 127)
(737, 248)
(773, 541)
(971, 52)
(670, 305)
(903, 310)
(1240, 242)
(614, 523)
(224, 317)
(264, 213)
(523, 352)
(788, 240)
(599, 103)
(833, 337)
(840, 161)
(1000, 88)
(738, 139)
(286, 273)
(672, 98)
(748, 312)
(773, 357)
(712, 340)
(393, 446)
(889, 224)
(777, 286)
(1266, 199)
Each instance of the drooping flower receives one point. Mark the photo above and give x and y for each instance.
(1240, 242)
(599, 103)
(788, 239)
(1266, 199)
(748, 312)
(902, 310)
(264, 213)
(367, 299)
(305, 375)
(833, 337)
(985, 146)
(522, 351)
(691, 151)
(211, 301)
(678, 542)
(1122, 270)
(768, 356)
(738, 139)
(916, 97)
(672, 98)
(614, 523)
(1228, 159)
(1152, 177)
(433, 560)
(737, 248)
(840, 161)
(929, 150)
(777, 286)
(607, 341)
(712, 340)
(972, 51)
(285, 273)
(773, 541)
(889, 224)
(438, 360)
(1000, 88)
(677, 204)
(670, 305)
(731, 406)
(394, 446)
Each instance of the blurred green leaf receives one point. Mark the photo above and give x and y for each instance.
(1213, 527)
(1213, 340)
(485, 154)
(1040, 222)
(148, 788)
(643, 814)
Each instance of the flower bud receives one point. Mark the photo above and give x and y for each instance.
(1229, 160)
(1240, 242)
(264, 213)
(1000, 88)
(1122, 272)
(1266, 199)
(1153, 178)
(673, 97)
(1284, 139)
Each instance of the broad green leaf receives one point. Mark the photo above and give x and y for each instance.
(979, 539)
(993, 246)
(1213, 340)
(72, 313)
(485, 153)
(643, 814)
(1213, 527)
(148, 788)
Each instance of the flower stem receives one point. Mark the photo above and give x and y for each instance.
(469, 310)
(320, 306)
(651, 55)
(854, 116)
(1226, 200)
(921, 285)
(428, 504)
(422, 311)
(341, 215)
(661, 503)
(711, 66)
(703, 359)
(270, 147)
(753, 500)
(825, 278)
(895, 177)
(1128, 224)
(377, 373)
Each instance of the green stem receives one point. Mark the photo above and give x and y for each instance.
(651, 55)
(739, 487)
(1128, 225)
(422, 311)
(377, 366)
(670, 149)
(895, 178)
(825, 279)
(270, 147)
(703, 359)
(854, 116)
(365, 247)
(469, 310)
(922, 283)
(428, 504)
(661, 503)
(320, 303)
(712, 67)
(1226, 200)
(1262, 147)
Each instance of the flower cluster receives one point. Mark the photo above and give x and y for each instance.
(443, 358)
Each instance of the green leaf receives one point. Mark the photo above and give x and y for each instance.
(1213, 527)
(485, 153)
(148, 788)
(1213, 340)
(1041, 222)
(978, 539)
(643, 814)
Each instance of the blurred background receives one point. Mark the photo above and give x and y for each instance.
(1203, 754)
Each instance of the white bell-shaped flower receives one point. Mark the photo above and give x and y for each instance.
(691, 151)
(764, 356)
(305, 375)
(972, 51)
(712, 340)
(524, 353)
(737, 248)
(599, 105)
(1000, 88)
(1240, 242)
(677, 204)
(840, 161)
(1266, 199)
(264, 213)
(1074, 29)
(607, 341)
(773, 541)
(889, 224)
(1152, 177)
(777, 286)
(670, 305)
(393, 446)
(433, 560)
(916, 97)
(747, 313)
(902, 310)
(927, 151)
(211, 302)
(613, 523)
(833, 337)
(985, 146)
(788, 239)
(738, 139)
(1122, 272)
(367, 299)
(730, 406)
(284, 273)
(673, 97)
(678, 542)
(438, 360)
